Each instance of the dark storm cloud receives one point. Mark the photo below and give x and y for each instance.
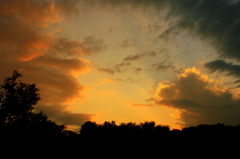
(216, 22)
(222, 66)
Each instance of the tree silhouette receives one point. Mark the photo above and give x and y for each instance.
(88, 128)
(17, 101)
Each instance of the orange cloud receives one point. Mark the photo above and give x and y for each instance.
(34, 49)
(35, 12)
(74, 65)
(29, 44)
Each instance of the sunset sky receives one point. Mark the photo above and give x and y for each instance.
(175, 62)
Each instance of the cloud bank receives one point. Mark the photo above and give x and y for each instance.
(29, 43)
(199, 99)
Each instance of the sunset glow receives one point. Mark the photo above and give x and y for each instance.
(173, 62)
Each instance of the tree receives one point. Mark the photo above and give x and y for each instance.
(17, 99)
(88, 128)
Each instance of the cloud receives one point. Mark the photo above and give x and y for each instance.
(58, 89)
(140, 56)
(218, 27)
(114, 80)
(179, 103)
(142, 105)
(118, 68)
(133, 57)
(128, 43)
(131, 80)
(39, 13)
(215, 22)
(64, 116)
(201, 99)
(106, 70)
(222, 66)
(70, 118)
(150, 100)
(164, 66)
(65, 47)
(23, 26)
(237, 81)
(71, 65)
(137, 70)
(30, 45)
(109, 80)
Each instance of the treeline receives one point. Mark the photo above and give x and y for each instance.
(149, 128)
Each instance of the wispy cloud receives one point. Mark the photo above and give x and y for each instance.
(110, 80)
(237, 81)
(142, 105)
(66, 48)
(118, 68)
(133, 57)
(128, 43)
(139, 56)
(164, 66)
(114, 80)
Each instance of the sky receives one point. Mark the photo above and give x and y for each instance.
(173, 62)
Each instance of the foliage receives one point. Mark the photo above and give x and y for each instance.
(17, 101)
(124, 129)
